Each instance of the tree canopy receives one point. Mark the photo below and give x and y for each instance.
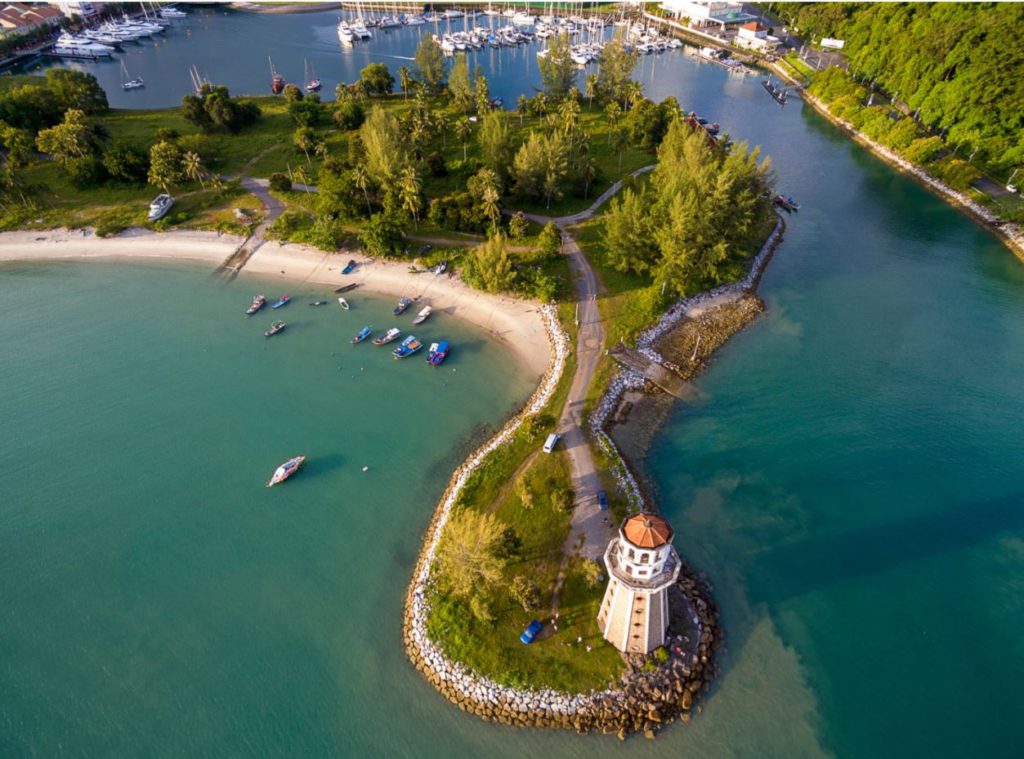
(702, 209)
(957, 65)
(557, 70)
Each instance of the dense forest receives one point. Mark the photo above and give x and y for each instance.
(958, 66)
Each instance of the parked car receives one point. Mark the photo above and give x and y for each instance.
(530, 632)
(602, 500)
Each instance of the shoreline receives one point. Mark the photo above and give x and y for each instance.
(517, 324)
(1009, 233)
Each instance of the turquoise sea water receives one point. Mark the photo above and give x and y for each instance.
(852, 481)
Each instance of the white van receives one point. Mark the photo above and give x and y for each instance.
(551, 442)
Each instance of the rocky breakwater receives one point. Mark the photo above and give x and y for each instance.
(647, 698)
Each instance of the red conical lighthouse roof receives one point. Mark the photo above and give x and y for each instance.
(647, 531)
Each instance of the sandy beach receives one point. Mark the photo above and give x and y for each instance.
(517, 323)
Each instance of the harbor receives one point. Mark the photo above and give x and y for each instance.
(833, 474)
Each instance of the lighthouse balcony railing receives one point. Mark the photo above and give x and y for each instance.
(668, 574)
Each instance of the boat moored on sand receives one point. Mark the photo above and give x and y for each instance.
(409, 345)
(286, 470)
(388, 337)
(438, 353)
(276, 327)
(423, 315)
(403, 304)
(160, 206)
(349, 267)
(361, 335)
(258, 302)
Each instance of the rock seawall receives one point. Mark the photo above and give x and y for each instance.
(1010, 233)
(628, 379)
(644, 702)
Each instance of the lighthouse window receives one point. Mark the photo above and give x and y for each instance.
(644, 557)
(632, 553)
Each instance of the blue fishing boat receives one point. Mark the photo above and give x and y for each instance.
(363, 334)
(438, 353)
(349, 267)
(409, 345)
(282, 301)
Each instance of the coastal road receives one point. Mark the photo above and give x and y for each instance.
(591, 529)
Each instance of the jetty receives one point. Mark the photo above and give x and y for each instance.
(653, 371)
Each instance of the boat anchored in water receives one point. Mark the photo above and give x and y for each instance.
(258, 302)
(361, 335)
(276, 80)
(282, 301)
(388, 337)
(438, 353)
(318, 303)
(403, 304)
(409, 345)
(276, 327)
(343, 303)
(130, 84)
(286, 470)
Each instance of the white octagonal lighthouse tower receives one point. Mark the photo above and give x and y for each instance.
(642, 565)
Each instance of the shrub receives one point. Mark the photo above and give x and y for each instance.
(349, 115)
(280, 182)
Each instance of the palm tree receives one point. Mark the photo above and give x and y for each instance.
(463, 129)
(440, 122)
(588, 170)
(193, 166)
(620, 143)
(540, 103)
(362, 181)
(409, 189)
(321, 149)
(489, 202)
(633, 93)
(569, 110)
(522, 106)
(614, 112)
(590, 88)
(405, 80)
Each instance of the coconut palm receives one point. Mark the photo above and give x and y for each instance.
(587, 168)
(362, 181)
(440, 122)
(409, 187)
(613, 111)
(620, 141)
(569, 111)
(522, 106)
(193, 167)
(489, 203)
(590, 88)
(463, 129)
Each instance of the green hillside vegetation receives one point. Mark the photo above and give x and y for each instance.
(956, 66)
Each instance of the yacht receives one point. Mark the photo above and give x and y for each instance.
(345, 35)
(160, 206)
(170, 12)
(359, 30)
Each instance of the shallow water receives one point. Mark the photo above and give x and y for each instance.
(852, 482)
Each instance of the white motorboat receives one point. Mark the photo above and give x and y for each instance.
(423, 315)
(345, 35)
(343, 303)
(170, 12)
(160, 206)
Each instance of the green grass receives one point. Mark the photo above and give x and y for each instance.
(7, 81)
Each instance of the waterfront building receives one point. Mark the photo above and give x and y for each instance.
(642, 565)
(755, 36)
(704, 13)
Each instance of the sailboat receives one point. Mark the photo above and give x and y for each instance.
(276, 80)
(130, 84)
(312, 83)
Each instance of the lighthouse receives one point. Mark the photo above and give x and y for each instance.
(642, 565)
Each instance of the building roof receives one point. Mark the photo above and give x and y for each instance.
(754, 26)
(647, 531)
